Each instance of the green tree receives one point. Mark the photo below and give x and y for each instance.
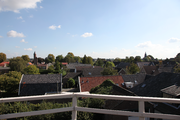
(109, 71)
(89, 60)
(77, 59)
(2, 57)
(40, 60)
(71, 82)
(69, 58)
(99, 62)
(133, 69)
(137, 59)
(10, 81)
(57, 66)
(51, 69)
(31, 69)
(109, 64)
(131, 59)
(84, 60)
(70, 53)
(117, 60)
(50, 58)
(60, 58)
(25, 57)
(17, 64)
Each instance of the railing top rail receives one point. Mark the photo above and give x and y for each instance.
(100, 96)
(37, 97)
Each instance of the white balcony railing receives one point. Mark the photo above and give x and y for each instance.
(141, 114)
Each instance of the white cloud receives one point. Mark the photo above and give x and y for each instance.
(53, 27)
(13, 33)
(28, 49)
(19, 17)
(23, 41)
(17, 47)
(23, 20)
(31, 16)
(16, 5)
(35, 46)
(87, 35)
(172, 40)
(41, 7)
(1, 36)
(145, 44)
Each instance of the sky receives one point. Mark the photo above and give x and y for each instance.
(100, 29)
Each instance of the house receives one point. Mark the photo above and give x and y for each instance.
(40, 84)
(4, 64)
(162, 85)
(70, 75)
(87, 83)
(90, 72)
(43, 66)
(4, 70)
(141, 64)
(72, 66)
(150, 70)
(121, 67)
(133, 80)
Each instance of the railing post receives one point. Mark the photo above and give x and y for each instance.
(74, 104)
(141, 109)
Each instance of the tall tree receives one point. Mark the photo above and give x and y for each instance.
(40, 60)
(77, 59)
(69, 58)
(25, 57)
(133, 69)
(137, 59)
(2, 57)
(31, 69)
(70, 53)
(59, 58)
(89, 60)
(117, 60)
(17, 64)
(131, 59)
(57, 66)
(99, 62)
(109, 64)
(50, 58)
(84, 60)
(10, 81)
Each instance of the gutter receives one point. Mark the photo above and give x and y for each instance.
(20, 84)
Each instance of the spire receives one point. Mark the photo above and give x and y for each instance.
(145, 55)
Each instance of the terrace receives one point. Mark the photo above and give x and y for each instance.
(141, 100)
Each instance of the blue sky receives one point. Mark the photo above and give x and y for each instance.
(105, 29)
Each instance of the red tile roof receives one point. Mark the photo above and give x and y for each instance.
(64, 63)
(2, 64)
(87, 83)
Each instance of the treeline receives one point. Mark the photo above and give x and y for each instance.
(16, 107)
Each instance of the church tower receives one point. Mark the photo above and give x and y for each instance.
(145, 55)
(35, 59)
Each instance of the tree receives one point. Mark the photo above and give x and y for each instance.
(57, 66)
(25, 57)
(109, 64)
(10, 81)
(59, 58)
(84, 60)
(69, 58)
(17, 64)
(131, 59)
(40, 60)
(51, 69)
(2, 57)
(31, 69)
(50, 58)
(99, 62)
(109, 71)
(77, 59)
(89, 60)
(133, 69)
(71, 82)
(137, 59)
(117, 60)
(70, 53)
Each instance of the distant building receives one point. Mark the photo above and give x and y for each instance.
(35, 59)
